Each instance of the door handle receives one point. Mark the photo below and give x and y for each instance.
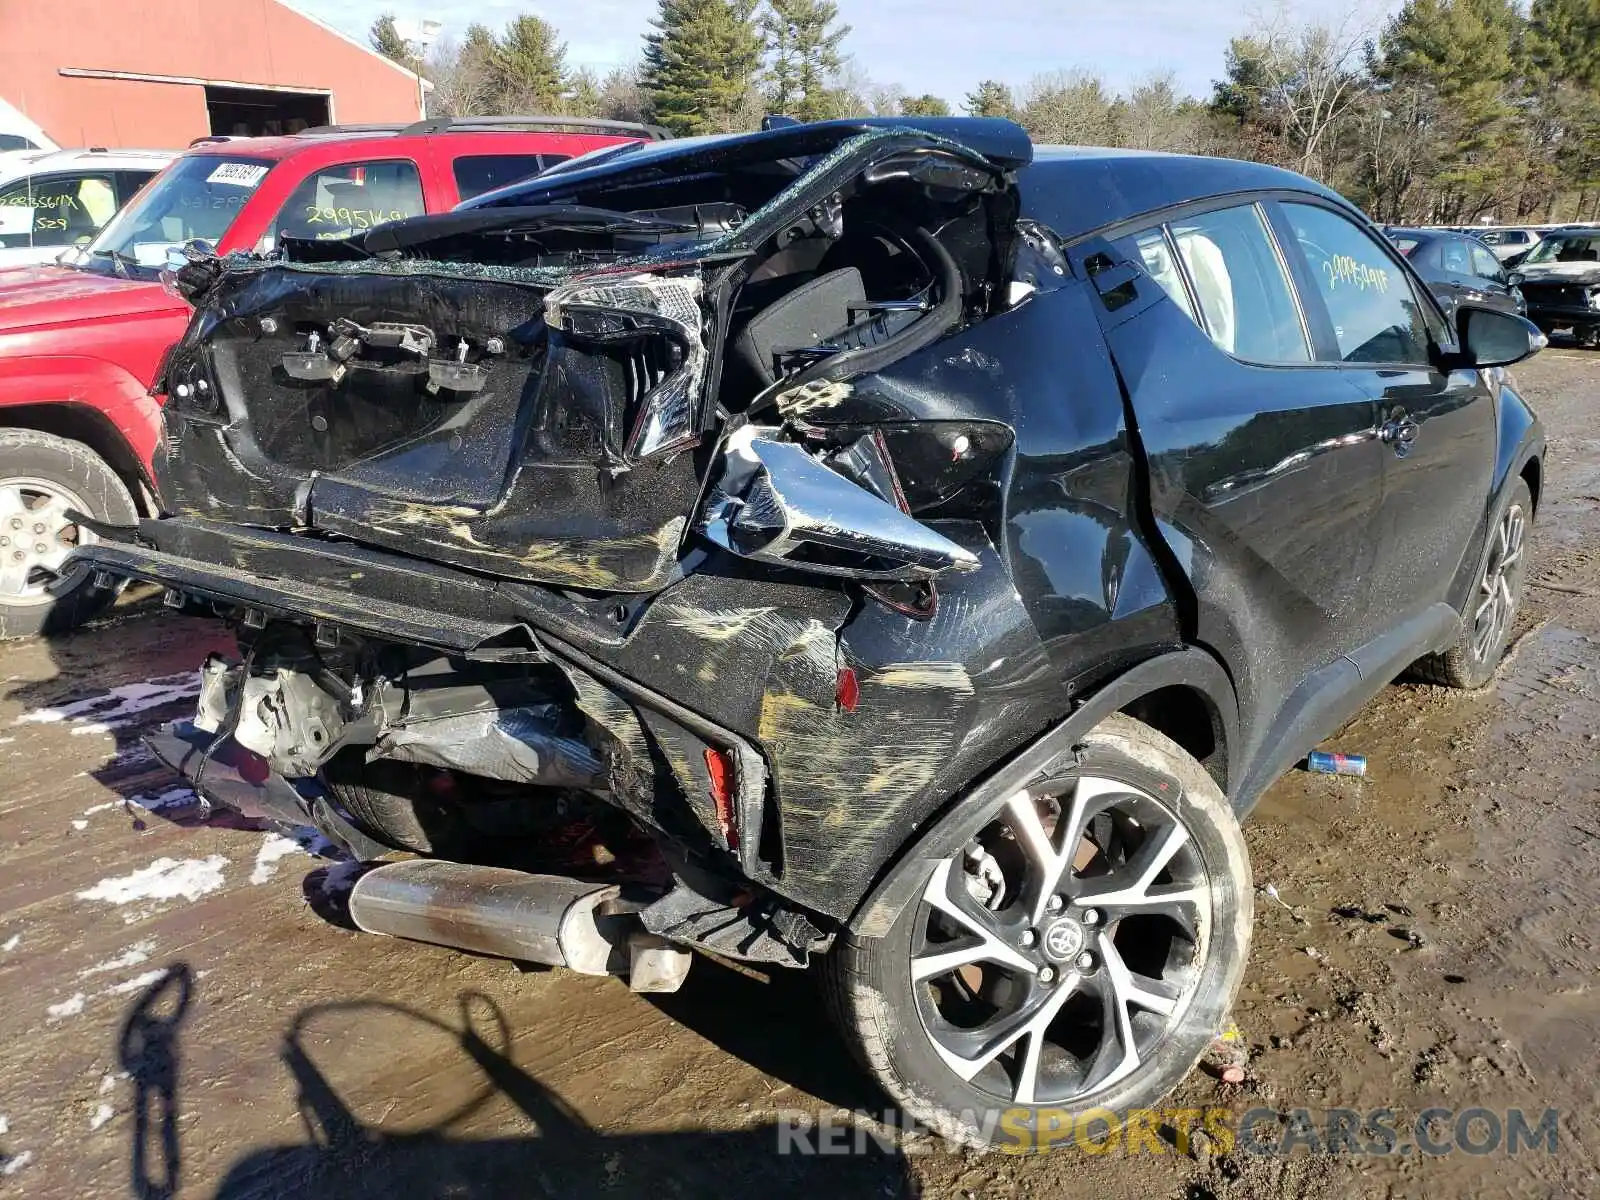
(1400, 433)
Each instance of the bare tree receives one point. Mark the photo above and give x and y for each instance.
(1072, 108)
(1156, 117)
(1312, 75)
(463, 84)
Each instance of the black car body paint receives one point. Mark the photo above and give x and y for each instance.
(1241, 552)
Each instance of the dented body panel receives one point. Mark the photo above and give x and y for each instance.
(773, 491)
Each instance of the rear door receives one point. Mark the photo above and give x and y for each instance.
(1379, 329)
(1264, 474)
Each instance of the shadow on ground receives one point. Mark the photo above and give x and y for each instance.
(342, 1156)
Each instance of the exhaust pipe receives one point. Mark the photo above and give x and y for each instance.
(549, 919)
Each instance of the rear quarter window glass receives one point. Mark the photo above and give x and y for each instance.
(1154, 253)
(1376, 316)
(1485, 263)
(479, 173)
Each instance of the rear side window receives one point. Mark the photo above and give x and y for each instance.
(1239, 282)
(1376, 316)
(55, 210)
(341, 201)
(479, 173)
(1485, 263)
(1457, 257)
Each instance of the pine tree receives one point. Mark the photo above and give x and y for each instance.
(1461, 51)
(992, 99)
(925, 105)
(700, 64)
(1562, 43)
(802, 57)
(386, 40)
(530, 66)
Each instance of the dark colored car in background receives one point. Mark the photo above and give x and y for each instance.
(884, 541)
(1457, 267)
(1561, 279)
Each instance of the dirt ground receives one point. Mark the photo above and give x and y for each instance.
(183, 1014)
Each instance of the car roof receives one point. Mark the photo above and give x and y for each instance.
(560, 130)
(22, 163)
(1003, 142)
(1076, 190)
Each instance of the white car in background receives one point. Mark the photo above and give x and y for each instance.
(1507, 242)
(54, 200)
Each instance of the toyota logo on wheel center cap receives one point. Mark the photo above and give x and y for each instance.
(1063, 940)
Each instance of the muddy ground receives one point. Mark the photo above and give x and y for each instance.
(182, 1013)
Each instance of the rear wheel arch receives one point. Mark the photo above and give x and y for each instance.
(1180, 689)
(1532, 474)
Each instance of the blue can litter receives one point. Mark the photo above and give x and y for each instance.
(1336, 764)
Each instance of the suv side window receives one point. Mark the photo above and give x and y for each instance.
(343, 200)
(1457, 260)
(1234, 273)
(55, 210)
(479, 173)
(1376, 316)
(1485, 264)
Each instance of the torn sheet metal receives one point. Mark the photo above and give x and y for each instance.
(775, 503)
(519, 745)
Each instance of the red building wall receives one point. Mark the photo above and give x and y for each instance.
(244, 43)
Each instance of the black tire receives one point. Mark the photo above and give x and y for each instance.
(34, 466)
(882, 1010)
(386, 799)
(1472, 661)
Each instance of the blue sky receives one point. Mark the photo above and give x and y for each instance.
(939, 46)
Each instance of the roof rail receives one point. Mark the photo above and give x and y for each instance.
(555, 124)
(210, 137)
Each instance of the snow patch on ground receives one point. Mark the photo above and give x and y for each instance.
(5, 1126)
(70, 1007)
(164, 879)
(133, 956)
(16, 1162)
(80, 824)
(174, 797)
(118, 707)
(276, 846)
(137, 983)
(301, 839)
(10, 944)
(341, 877)
(102, 1113)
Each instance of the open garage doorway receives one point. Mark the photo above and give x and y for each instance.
(254, 112)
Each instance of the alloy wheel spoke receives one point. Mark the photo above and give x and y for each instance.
(991, 946)
(1130, 885)
(13, 575)
(1052, 855)
(992, 1040)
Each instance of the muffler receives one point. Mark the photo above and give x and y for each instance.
(550, 919)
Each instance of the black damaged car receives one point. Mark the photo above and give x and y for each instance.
(875, 541)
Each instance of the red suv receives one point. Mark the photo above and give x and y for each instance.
(80, 344)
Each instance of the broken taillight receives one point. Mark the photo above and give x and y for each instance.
(610, 310)
(719, 768)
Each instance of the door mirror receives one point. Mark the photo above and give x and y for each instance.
(1488, 337)
(1515, 279)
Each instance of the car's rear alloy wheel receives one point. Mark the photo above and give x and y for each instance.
(1491, 609)
(1077, 952)
(42, 477)
(1496, 601)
